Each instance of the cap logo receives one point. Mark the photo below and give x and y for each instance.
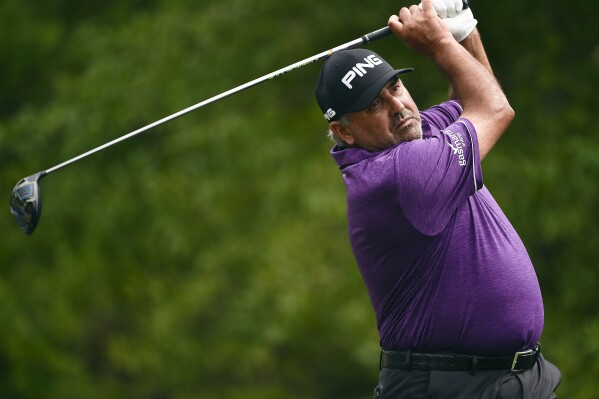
(360, 69)
(330, 114)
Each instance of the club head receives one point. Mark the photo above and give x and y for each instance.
(26, 202)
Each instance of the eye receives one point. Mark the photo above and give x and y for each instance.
(376, 104)
(396, 89)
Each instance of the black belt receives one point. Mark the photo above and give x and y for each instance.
(409, 360)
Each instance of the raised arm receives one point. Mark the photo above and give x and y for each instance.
(474, 45)
(473, 83)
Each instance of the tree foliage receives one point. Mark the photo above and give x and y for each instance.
(209, 257)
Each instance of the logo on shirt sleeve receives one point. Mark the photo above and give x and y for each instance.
(457, 144)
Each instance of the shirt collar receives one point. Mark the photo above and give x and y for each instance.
(346, 156)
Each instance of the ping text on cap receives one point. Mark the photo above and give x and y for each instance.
(359, 70)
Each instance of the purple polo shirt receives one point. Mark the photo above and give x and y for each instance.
(444, 268)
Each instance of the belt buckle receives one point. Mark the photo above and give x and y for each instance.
(518, 354)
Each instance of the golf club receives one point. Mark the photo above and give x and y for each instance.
(26, 198)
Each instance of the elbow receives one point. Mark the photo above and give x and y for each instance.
(510, 114)
(504, 114)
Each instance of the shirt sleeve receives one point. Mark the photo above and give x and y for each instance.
(437, 174)
(442, 115)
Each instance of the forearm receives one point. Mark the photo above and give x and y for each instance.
(471, 81)
(474, 85)
(473, 44)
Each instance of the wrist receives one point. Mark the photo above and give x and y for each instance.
(443, 47)
(472, 37)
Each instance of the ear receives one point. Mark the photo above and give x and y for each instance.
(343, 132)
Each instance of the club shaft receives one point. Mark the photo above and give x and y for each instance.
(372, 36)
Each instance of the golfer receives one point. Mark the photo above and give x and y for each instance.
(457, 300)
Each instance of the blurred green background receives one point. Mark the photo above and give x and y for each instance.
(209, 257)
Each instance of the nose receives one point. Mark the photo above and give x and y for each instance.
(394, 104)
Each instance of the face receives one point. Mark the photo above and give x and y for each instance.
(391, 118)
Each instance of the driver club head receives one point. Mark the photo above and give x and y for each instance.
(26, 202)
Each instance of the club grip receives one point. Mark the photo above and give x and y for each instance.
(376, 35)
(386, 31)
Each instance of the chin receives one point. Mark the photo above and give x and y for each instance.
(410, 136)
(412, 132)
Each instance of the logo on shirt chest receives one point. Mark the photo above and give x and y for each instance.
(457, 145)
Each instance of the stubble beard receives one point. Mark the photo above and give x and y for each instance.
(412, 130)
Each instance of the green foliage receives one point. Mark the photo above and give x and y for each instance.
(209, 257)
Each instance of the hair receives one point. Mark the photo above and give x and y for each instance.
(336, 139)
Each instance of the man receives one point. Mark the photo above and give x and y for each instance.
(458, 304)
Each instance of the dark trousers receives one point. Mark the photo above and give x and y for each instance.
(540, 381)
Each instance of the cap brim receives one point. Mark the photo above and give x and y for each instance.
(368, 96)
